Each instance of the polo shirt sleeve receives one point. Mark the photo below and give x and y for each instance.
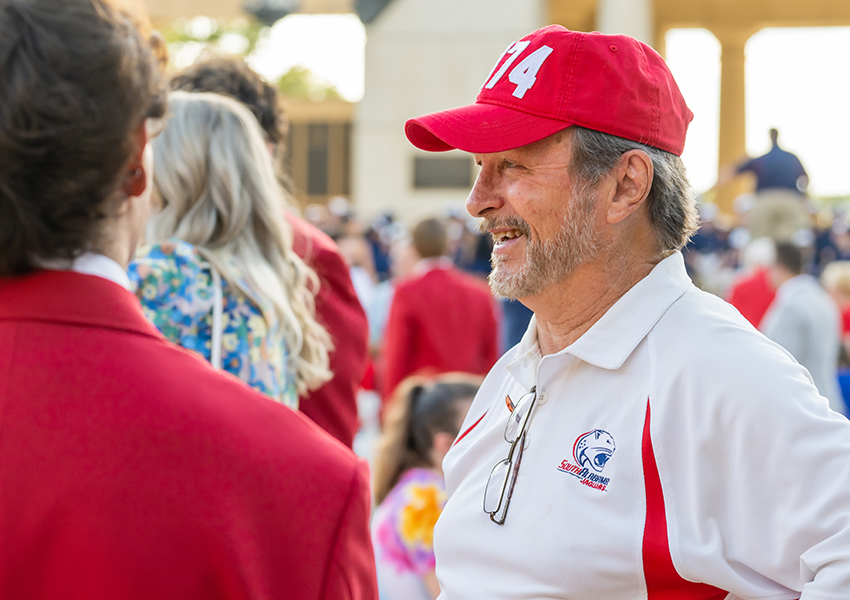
(755, 470)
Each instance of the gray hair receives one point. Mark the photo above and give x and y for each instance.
(672, 209)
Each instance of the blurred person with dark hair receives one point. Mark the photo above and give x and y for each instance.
(805, 321)
(129, 468)
(333, 406)
(441, 319)
(231, 76)
(218, 246)
(781, 182)
(423, 420)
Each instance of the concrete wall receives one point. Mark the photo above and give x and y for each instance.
(423, 56)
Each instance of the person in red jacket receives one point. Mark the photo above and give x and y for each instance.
(441, 319)
(334, 405)
(130, 468)
(753, 292)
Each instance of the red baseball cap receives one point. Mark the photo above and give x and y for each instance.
(554, 78)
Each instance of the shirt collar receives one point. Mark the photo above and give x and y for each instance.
(429, 264)
(612, 339)
(90, 263)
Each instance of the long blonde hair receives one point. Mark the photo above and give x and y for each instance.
(220, 194)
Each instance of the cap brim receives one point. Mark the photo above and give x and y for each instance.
(479, 128)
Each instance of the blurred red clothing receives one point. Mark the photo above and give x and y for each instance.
(440, 321)
(131, 469)
(752, 295)
(333, 407)
(845, 321)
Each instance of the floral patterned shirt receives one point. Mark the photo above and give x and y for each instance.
(403, 534)
(174, 284)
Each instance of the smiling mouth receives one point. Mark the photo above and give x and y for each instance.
(505, 236)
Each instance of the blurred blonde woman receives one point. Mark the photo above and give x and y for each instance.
(220, 240)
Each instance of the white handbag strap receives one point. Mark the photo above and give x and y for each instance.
(215, 341)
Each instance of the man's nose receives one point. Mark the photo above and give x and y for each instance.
(484, 195)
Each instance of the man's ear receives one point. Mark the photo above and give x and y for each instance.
(135, 176)
(633, 182)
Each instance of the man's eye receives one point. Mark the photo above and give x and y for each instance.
(510, 165)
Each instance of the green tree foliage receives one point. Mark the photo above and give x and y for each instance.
(300, 82)
(237, 36)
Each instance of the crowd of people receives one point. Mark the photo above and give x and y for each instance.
(181, 352)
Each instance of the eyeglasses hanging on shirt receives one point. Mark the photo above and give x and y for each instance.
(500, 484)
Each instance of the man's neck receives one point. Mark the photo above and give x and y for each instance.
(568, 309)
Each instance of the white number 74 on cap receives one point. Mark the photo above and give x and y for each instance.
(525, 73)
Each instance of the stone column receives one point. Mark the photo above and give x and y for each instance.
(733, 121)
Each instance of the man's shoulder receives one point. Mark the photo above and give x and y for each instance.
(700, 324)
(249, 427)
(704, 343)
(236, 409)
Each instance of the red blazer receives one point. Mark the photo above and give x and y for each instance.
(441, 321)
(334, 406)
(130, 469)
(752, 295)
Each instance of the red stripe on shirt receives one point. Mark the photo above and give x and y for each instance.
(663, 582)
(471, 427)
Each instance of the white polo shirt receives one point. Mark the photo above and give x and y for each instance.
(724, 465)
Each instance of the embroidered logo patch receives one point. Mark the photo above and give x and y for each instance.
(591, 452)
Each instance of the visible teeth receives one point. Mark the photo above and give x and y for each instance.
(509, 235)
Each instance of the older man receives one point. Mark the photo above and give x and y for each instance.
(642, 440)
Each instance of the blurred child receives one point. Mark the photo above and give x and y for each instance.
(423, 419)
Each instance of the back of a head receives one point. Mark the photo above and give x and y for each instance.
(78, 78)
(430, 238)
(790, 257)
(212, 172)
(419, 409)
(231, 76)
(836, 277)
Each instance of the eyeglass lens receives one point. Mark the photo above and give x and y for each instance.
(516, 420)
(496, 483)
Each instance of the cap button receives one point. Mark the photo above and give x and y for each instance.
(612, 48)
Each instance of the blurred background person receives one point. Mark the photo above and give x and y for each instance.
(753, 292)
(423, 421)
(333, 406)
(129, 468)
(805, 321)
(220, 215)
(515, 319)
(441, 319)
(836, 281)
(781, 181)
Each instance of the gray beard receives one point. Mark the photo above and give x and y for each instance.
(550, 261)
